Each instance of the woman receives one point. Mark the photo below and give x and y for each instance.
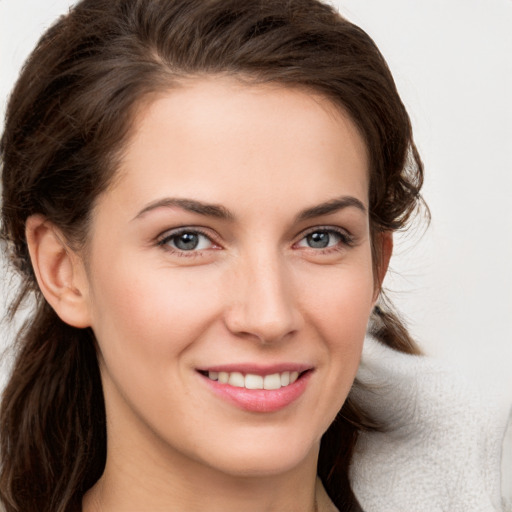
(201, 198)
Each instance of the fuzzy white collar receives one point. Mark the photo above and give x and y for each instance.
(441, 447)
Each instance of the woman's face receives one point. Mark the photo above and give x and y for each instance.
(234, 246)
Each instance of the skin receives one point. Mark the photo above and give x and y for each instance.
(254, 291)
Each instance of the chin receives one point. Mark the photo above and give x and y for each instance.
(265, 457)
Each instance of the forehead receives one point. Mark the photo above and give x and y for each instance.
(218, 139)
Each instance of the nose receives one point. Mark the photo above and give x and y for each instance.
(262, 302)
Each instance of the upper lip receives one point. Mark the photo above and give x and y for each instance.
(257, 369)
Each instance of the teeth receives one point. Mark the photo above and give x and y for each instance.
(252, 381)
(272, 381)
(236, 379)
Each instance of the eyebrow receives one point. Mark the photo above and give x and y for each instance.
(332, 206)
(191, 205)
(220, 212)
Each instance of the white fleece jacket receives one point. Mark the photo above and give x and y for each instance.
(441, 448)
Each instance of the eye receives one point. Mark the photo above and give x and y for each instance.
(324, 239)
(186, 240)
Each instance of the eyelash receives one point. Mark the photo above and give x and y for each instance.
(167, 237)
(346, 240)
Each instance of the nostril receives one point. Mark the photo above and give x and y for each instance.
(264, 332)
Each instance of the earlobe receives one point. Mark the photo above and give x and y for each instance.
(59, 271)
(384, 250)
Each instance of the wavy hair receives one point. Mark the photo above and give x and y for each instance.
(67, 121)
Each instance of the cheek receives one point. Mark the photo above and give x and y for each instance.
(339, 309)
(150, 311)
(340, 303)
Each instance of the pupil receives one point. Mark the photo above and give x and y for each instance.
(187, 241)
(318, 240)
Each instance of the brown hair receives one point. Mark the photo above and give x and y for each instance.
(67, 120)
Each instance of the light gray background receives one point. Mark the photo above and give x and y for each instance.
(452, 61)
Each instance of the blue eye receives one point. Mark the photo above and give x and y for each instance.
(187, 240)
(323, 239)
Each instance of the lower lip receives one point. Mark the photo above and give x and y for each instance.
(260, 400)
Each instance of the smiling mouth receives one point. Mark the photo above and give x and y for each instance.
(258, 390)
(253, 381)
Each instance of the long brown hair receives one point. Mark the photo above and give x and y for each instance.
(67, 120)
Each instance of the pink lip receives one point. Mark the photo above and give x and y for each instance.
(259, 400)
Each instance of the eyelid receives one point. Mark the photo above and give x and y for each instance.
(347, 238)
(163, 239)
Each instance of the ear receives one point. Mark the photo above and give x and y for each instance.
(59, 271)
(383, 251)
